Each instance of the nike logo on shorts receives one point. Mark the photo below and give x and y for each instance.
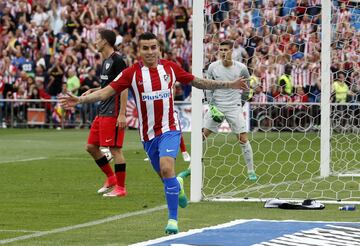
(169, 150)
(108, 140)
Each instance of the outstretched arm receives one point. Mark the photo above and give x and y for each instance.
(210, 84)
(70, 101)
(99, 95)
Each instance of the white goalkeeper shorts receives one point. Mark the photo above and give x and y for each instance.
(233, 115)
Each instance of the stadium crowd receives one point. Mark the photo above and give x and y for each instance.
(270, 35)
(46, 46)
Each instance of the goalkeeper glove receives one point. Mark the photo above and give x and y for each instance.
(216, 114)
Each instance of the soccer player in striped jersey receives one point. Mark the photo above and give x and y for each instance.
(152, 82)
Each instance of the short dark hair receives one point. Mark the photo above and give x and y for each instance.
(147, 36)
(288, 68)
(340, 72)
(227, 42)
(109, 36)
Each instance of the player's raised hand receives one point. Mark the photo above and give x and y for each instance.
(241, 83)
(69, 101)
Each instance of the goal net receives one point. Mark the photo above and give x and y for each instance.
(305, 139)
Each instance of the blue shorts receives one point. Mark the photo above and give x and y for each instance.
(166, 144)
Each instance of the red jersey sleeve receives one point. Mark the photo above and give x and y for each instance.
(181, 75)
(123, 80)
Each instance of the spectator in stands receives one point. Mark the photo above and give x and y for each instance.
(72, 82)
(91, 81)
(285, 81)
(40, 32)
(19, 59)
(182, 19)
(56, 74)
(34, 94)
(282, 111)
(41, 76)
(2, 87)
(129, 27)
(300, 98)
(28, 65)
(355, 84)
(20, 106)
(239, 52)
(341, 89)
(178, 92)
(315, 91)
(40, 17)
(258, 98)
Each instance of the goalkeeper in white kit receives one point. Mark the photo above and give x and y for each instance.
(226, 104)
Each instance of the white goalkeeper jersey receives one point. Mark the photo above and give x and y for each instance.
(226, 97)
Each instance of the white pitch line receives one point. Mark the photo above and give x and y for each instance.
(26, 231)
(24, 160)
(88, 224)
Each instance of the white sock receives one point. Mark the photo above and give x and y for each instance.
(248, 156)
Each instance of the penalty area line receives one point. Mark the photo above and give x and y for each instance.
(79, 226)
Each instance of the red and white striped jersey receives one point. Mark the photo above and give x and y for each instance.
(153, 92)
(311, 46)
(267, 80)
(344, 16)
(314, 73)
(306, 29)
(89, 33)
(300, 76)
(111, 23)
(90, 56)
(2, 85)
(299, 100)
(259, 97)
(279, 69)
(282, 98)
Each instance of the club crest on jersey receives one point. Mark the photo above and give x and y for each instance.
(107, 65)
(167, 78)
(155, 95)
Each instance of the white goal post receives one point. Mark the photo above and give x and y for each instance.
(328, 180)
(196, 101)
(325, 88)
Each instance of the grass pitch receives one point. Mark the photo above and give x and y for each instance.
(48, 182)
